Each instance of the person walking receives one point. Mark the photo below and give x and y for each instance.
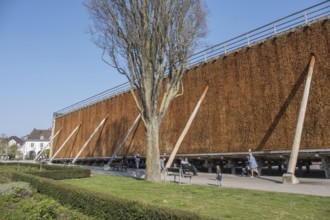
(253, 165)
(162, 164)
(219, 175)
(137, 160)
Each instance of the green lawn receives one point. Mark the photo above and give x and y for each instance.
(213, 202)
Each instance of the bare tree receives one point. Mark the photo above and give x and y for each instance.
(3, 143)
(149, 41)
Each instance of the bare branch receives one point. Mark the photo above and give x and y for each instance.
(148, 41)
(120, 70)
(182, 90)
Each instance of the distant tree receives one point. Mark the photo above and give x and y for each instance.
(19, 155)
(12, 150)
(149, 42)
(46, 153)
(3, 145)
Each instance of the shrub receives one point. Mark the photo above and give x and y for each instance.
(19, 189)
(5, 177)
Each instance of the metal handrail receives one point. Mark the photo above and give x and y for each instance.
(303, 17)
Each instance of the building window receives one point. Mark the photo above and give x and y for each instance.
(32, 145)
(41, 137)
(41, 145)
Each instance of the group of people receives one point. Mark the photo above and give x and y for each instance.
(185, 165)
(188, 167)
(250, 170)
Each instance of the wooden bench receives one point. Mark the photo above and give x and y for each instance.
(118, 166)
(178, 172)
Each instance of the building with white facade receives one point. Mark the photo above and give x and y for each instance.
(14, 140)
(36, 141)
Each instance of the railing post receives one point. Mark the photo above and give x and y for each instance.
(248, 39)
(225, 48)
(274, 28)
(306, 19)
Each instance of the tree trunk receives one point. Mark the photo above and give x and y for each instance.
(152, 172)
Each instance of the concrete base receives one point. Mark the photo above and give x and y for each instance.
(289, 178)
(106, 167)
(137, 174)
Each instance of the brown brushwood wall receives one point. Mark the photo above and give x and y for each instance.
(252, 103)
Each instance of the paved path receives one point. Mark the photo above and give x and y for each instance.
(310, 186)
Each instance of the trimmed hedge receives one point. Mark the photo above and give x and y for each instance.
(60, 174)
(99, 205)
(54, 171)
(44, 166)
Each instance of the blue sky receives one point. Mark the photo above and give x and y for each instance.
(48, 62)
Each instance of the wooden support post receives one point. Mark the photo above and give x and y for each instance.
(208, 164)
(308, 168)
(185, 130)
(232, 166)
(280, 167)
(269, 167)
(49, 143)
(325, 165)
(64, 143)
(89, 139)
(107, 166)
(53, 131)
(286, 163)
(289, 177)
(300, 169)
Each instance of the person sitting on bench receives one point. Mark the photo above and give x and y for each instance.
(187, 166)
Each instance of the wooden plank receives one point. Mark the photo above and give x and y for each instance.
(64, 143)
(300, 122)
(90, 138)
(51, 140)
(107, 166)
(185, 130)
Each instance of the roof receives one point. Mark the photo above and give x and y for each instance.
(39, 134)
(16, 139)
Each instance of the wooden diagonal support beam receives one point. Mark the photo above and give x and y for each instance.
(289, 177)
(64, 143)
(185, 130)
(107, 166)
(90, 138)
(49, 143)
